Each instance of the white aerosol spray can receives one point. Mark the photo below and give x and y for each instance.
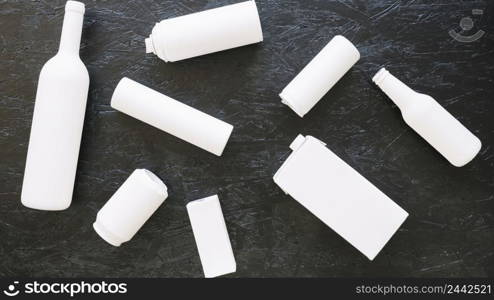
(206, 32)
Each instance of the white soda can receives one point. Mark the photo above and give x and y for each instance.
(130, 207)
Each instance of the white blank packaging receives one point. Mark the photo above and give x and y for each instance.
(130, 207)
(169, 115)
(58, 120)
(339, 196)
(211, 236)
(205, 32)
(320, 75)
(430, 120)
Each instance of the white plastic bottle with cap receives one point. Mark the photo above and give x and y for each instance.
(206, 32)
(130, 207)
(320, 75)
(169, 115)
(57, 121)
(430, 120)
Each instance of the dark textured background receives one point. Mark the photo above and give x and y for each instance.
(450, 231)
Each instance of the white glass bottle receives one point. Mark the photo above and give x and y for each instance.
(430, 120)
(57, 121)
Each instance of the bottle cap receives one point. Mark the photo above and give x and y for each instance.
(75, 6)
(380, 75)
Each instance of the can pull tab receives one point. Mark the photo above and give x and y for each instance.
(297, 142)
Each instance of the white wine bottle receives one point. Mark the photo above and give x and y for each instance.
(430, 120)
(57, 121)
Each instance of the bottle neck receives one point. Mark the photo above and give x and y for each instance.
(396, 90)
(71, 32)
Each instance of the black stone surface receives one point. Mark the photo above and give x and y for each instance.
(450, 230)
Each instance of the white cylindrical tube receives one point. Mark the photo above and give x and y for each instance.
(167, 114)
(320, 75)
(130, 207)
(206, 32)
